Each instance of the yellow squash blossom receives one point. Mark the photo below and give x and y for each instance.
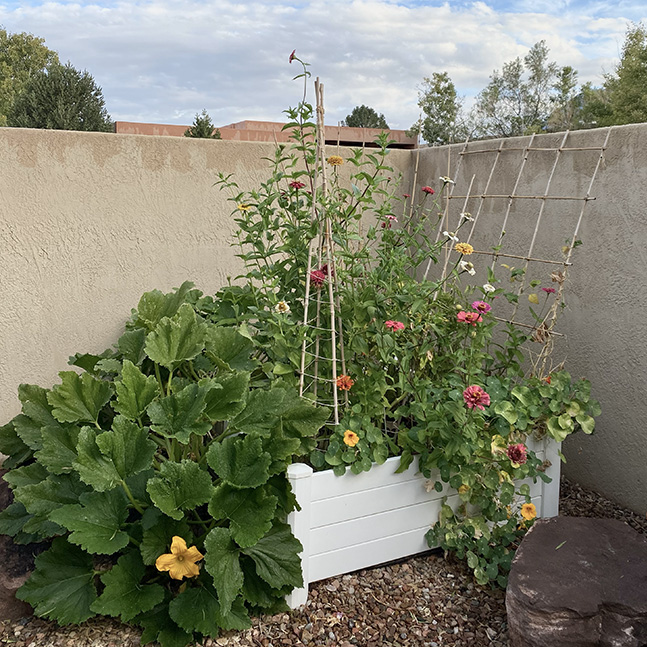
(181, 561)
(528, 511)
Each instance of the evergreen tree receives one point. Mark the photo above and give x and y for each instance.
(202, 127)
(365, 117)
(61, 98)
(21, 57)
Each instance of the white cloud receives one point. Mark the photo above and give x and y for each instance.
(163, 61)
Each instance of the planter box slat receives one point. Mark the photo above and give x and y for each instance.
(361, 520)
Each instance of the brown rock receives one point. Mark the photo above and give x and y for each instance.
(579, 582)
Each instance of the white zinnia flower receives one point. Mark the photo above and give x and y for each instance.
(468, 267)
(446, 180)
(467, 216)
(451, 235)
(282, 307)
(489, 288)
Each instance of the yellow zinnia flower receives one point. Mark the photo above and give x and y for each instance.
(335, 160)
(464, 248)
(181, 561)
(244, 207)
(350, 438)
(528, 511)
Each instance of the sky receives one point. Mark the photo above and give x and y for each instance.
(163, 61)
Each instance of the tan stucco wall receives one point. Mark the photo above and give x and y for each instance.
(605, 321)
(89, 221)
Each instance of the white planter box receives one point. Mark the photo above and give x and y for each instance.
(360, 520)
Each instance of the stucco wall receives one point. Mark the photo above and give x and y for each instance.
(605, 321)
(89, 221)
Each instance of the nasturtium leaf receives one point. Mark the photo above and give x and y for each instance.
(176, 339)
(13, 447)
(178, 487)
(240, 461)
(79, 398)
(229, 401)
(586, 422)
(135, 391)
(154, 305)
(107, 459)
(223, 564)
(59, 448)
(13, 518)
(96, 523)
(61, 587)
(26, 475)
(125, 595)
(131, 345)
(276, 557)
(157, 538)
(179, 415)
(230, 347)
(250, 511)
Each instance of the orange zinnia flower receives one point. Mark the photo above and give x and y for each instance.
(464, 248)
(345, 382)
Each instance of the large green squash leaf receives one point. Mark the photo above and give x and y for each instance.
(59, 448)
(61, 587)
(229, 348)
(79, 398)
(227, 402)
(261, 413)
(26, 475)
(125, 595)
(107, 459)
(158, 627)
(131, 345)
(154, 305)
(96, 523)
(240, 461)
(176, 339)
(13, 446)
(50, 494)
(13, 518)
(178, 487)
(257, 591)
(223, 564)
(250, 511)
(179, 415)
(276, 557)
(135, 391)
(36, 413)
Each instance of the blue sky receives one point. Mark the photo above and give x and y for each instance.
(164, 60)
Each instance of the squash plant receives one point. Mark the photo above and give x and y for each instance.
(157, 475)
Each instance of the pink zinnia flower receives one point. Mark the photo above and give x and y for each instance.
(517, 454)
(394, 325)
(481, 306)
(292, 56)
(297, 185)
(386, 225)
(428, 190)
(317, 278)
(469, 317)
(475, 396)
(549, 290)
(406, 195)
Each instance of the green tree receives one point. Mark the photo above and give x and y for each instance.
(627, 87)
(564, 101)
(202, 127)
(21, 57)
(443, 122)
(517, 100)
(365, 117)
(61, 98)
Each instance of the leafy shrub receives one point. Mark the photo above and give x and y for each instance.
(160, 441)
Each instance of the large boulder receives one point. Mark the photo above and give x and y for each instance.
(579, 582)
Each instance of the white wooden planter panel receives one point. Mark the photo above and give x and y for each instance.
(361, 520)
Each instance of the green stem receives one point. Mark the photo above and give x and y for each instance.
(131, 498)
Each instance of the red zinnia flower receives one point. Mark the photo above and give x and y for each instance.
(517, 454)
(345, 382)
(406, 195)
(324, 270)
(292, 57)
(549, 290)
(317, 278)
(428, 190)
(476, 397)
(297, 185)
(394, 325)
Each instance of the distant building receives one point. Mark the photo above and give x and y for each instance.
(269, 131)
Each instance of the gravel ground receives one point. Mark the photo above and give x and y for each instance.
(425, 601)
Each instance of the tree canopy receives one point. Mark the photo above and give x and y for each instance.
(202, 127)
(365, 117)
(21, 57)
(60, 97)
